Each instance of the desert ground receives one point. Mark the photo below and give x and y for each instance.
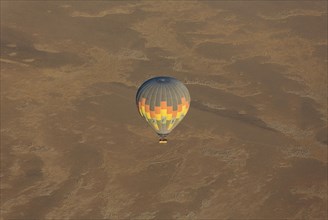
(252, 146)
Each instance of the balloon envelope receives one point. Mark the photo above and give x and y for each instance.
(163, 102)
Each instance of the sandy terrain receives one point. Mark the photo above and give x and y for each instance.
(253, 145)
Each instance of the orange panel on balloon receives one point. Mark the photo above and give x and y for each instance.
(169, 109)
(143, 101)
(157, 110)
(147, 108)
(183, 100)
(163, 105)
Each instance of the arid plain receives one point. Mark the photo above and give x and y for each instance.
(253, 145)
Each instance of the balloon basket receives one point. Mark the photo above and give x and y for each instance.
(162, 141)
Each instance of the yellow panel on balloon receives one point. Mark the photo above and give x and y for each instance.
(163, 112)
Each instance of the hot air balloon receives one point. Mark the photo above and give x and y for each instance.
(163, 101)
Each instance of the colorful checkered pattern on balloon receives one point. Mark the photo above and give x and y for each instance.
(163, 117)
